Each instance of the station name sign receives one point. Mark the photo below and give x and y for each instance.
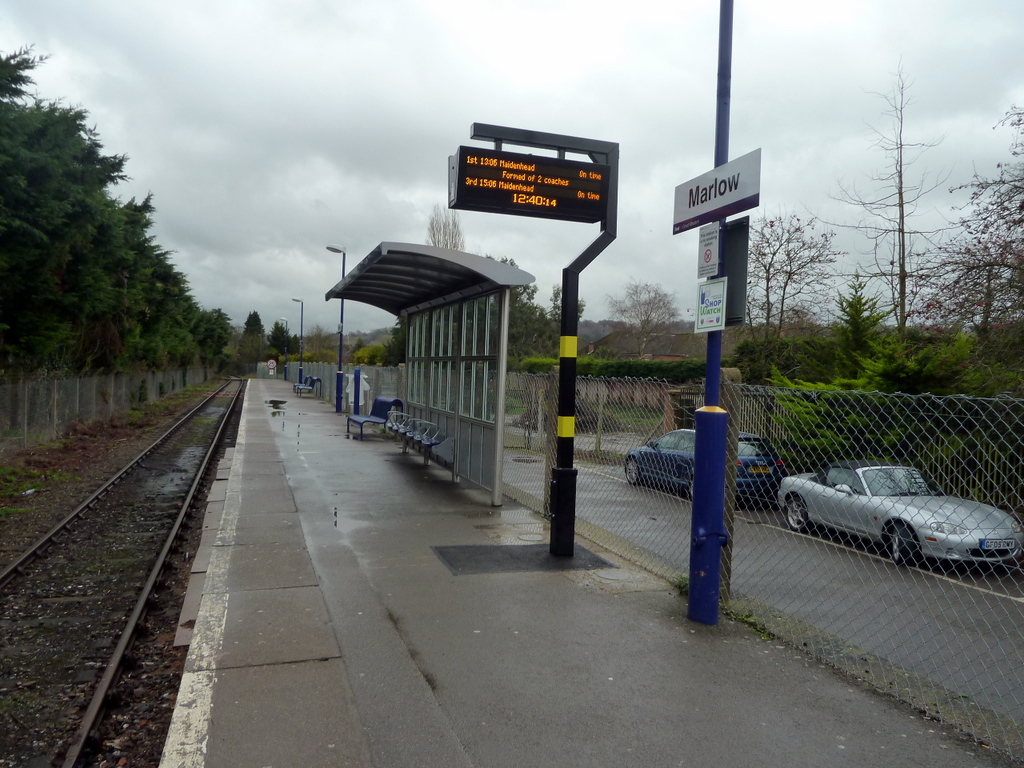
(722, 192)
(527, 185)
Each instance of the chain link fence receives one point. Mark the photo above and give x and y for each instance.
(37, 410)
(374, 381)
(945, 635)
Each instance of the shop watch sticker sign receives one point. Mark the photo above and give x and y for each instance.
(711, 306)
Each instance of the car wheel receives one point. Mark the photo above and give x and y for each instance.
(901, 544)
(633, 474)
(796, 514)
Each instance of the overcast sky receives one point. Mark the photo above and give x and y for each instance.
(266, 130)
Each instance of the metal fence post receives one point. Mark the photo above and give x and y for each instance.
(732, 403)
(53, 411)
(546, 418)
(24, 412)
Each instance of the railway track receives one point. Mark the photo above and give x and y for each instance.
(77, 605)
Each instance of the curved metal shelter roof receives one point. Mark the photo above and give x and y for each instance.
(404, 277)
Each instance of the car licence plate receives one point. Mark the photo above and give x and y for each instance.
(998, 544)
(760, 469)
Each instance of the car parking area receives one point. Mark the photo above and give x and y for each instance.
(945, 633)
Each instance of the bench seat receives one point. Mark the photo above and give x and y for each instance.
(379, 412)
(309, 385)
(425, 437)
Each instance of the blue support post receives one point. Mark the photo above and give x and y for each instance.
(708, 516)
(708, 521)
(339, 379)
(355, 395)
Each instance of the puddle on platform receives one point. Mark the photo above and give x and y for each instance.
(277, 406)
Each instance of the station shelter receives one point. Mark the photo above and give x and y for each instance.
(457, 305)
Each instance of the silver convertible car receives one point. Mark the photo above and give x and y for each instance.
(901, 508)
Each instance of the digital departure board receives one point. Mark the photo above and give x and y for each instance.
(527, 185)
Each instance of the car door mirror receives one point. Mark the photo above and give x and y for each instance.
(845, 489)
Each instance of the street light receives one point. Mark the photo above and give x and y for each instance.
(286, 335)
(339, 381)
(302, 309)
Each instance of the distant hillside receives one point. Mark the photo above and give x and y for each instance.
(592, 330)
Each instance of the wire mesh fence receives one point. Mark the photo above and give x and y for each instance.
(373, 381)
(895, 557)
(36, 410)
(906, 574)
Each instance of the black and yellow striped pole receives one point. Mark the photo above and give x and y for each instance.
(602, 153)
(563, 474)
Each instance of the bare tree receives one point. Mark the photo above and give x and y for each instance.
(999, 202)
(980, 287)
(788, 272)
(320, 344)
(900, 250)
(444, 229)
(647, 309)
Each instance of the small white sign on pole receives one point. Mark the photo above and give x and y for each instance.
(711, 306)
(707, 252)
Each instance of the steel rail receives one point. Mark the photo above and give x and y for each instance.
(15, 566)
(112, 671)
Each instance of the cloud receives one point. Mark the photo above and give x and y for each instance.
(266, 130)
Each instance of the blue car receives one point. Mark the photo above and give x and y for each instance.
(667, 463)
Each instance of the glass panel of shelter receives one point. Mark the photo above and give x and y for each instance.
(419, 327)
(479, 367)
(453, 379)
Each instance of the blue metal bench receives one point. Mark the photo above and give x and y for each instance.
(425, 437)
(382, 406)
(309, 385)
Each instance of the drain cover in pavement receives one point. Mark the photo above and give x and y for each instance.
(510, 558)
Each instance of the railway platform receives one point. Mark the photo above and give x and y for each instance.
(358, 608)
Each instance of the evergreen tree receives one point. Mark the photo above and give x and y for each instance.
(83, 285)
(251, 345)
(394, 350)
(857, 331)
(281, 342)
(211, 330)
(253, 325)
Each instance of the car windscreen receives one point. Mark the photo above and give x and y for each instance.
(676, 441)
(897, 481)
(754, 447)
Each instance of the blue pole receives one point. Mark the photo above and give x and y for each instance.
(708, 517)
(339, 379)
(708, 534)
(286, 334)
(302, 311)
(722, 111)
(355, 395)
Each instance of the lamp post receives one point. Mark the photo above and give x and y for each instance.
(286, 335)
(302, 308)
(339, 381)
